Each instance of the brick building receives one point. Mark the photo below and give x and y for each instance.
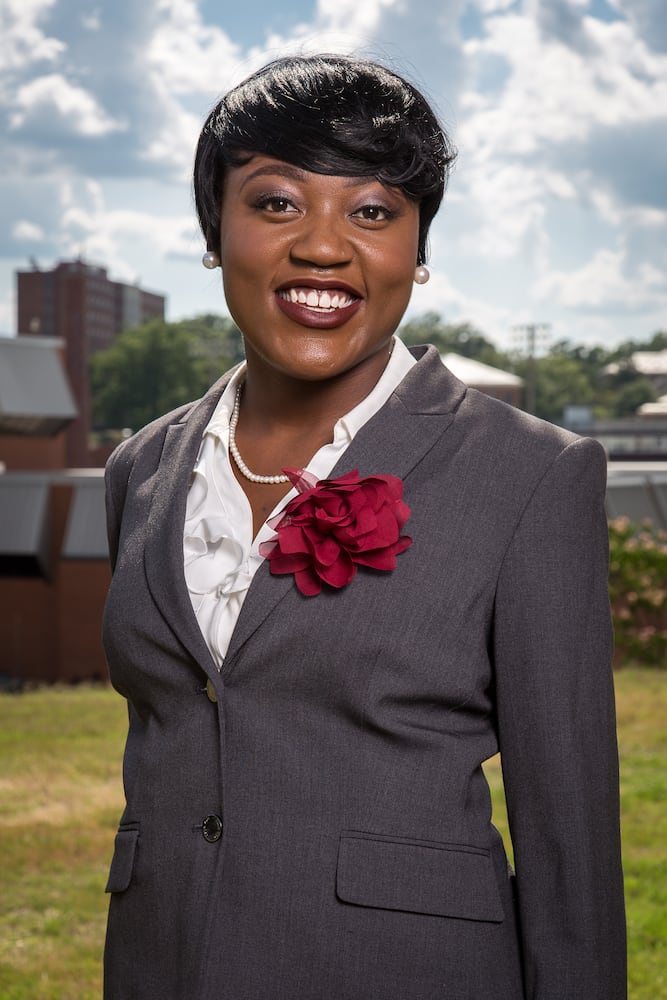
(79, 304)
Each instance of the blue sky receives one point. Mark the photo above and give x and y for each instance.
(556, 212)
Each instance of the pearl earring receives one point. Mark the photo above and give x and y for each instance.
(422, 274)
(210, 260)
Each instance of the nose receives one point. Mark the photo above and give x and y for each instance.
(322, 242)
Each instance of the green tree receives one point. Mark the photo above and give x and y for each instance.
(153, 368)
(560, 381)
(631, 394)
(460, 338)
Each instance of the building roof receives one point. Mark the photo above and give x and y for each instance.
(24, 519)
(475, 373)
(649, 363)
(24, 505)
(35, 397)
(655, 409)
(86, 532)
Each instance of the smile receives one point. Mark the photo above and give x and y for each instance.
(318, 308)
(323, 300)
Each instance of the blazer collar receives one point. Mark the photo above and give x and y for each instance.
(393, 441)
(163, 552)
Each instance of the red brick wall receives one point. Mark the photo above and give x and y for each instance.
(50, 629)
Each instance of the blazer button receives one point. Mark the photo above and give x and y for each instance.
(212, 829)
(210, 691)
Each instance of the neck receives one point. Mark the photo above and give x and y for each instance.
(271, 397)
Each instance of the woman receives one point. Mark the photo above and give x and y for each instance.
(312, 690)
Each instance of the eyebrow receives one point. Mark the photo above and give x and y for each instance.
(297, 174)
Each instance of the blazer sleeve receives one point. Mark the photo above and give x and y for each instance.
(557, 734)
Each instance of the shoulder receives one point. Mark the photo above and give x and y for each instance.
(502, 444)
(148, 437)
(145, 446)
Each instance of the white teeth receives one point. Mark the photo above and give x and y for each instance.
(316, 299)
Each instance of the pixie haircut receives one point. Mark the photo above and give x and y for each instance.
(328, 114)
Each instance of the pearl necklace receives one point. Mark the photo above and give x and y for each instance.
(235, 453)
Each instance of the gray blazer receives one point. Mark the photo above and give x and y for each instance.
(313, 823)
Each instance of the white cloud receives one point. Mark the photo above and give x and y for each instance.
(26, 231)
(492, 6)
(65, 106)
(23, 41)
(648, 16)
(353, 17)
(509, 201)
(555, 93)
(615, 214)
(186, 56)
(88, 227)
(605, 282)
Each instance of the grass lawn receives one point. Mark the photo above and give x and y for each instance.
(60, 799)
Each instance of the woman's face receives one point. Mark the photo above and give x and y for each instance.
(317, 269)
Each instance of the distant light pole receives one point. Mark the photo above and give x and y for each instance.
(531, 332)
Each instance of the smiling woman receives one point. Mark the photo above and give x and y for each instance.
(342, 581)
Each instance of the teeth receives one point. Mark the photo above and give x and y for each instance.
(315, 299)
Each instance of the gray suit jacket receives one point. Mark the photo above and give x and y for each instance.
(352, 857)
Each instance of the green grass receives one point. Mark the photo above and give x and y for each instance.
(60, 799)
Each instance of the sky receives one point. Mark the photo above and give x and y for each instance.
(556, 212)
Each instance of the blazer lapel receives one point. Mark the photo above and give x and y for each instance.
(393, 441)
(163, 552)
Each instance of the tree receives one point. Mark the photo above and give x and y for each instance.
(631, 395)
(461, 338)
(153, 368)
(560, 381)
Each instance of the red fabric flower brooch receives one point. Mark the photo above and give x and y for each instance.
(334, 526)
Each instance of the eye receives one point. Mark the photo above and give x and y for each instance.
(374, 213)
(276, 204)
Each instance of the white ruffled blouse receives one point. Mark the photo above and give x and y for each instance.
(221, 557)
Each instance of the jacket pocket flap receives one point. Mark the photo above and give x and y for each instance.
(122, 864)
(393, 873)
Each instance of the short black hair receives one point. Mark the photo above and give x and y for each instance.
(329, 114)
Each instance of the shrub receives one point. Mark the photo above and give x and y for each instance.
(638, 591)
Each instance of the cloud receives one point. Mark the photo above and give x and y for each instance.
(648, 17)
(561, 20)
(87, 225)
(607, 283)
(554, 94)
(96, 110)
(186, 56)
(27, 232)
(352, 16)
(23, 41)
(509, 203)
(55, 106)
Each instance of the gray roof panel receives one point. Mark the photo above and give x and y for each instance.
(35, 397)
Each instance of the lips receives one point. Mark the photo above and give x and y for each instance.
(321, 307)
